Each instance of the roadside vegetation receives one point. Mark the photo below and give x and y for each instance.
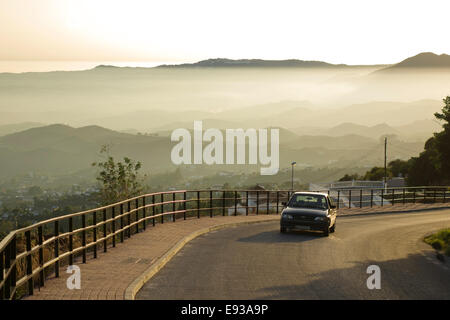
(118, 180)
(440, 241)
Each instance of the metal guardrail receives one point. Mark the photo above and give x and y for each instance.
(29, 255)
(363, 197)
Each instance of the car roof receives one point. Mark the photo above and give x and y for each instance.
(312, 193)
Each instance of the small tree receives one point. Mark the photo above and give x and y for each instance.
(119, 180)
(432, 166)
(350, 177)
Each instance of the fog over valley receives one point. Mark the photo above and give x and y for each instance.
(329, 116)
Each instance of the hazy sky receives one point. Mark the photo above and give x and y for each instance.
(345, 31)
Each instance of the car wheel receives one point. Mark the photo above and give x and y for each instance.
(283, 229)
(333, 228)
(326, 232)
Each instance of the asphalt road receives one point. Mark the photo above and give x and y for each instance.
(258, 262)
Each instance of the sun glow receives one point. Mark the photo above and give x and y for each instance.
(348, 31)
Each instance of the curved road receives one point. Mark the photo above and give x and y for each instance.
(257, 262)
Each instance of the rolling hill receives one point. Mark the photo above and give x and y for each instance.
(422, 60)
(57, 149)
(61, 149)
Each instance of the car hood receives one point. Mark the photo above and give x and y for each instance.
(306, 211)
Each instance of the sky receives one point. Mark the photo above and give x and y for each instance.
(345, 31)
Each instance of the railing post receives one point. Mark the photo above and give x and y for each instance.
(162, 208)
(136, 203)
(83, 237)
(2, 267)
(13, 258)
(268, 198)
(350, 199)
(223, 202)
(235, 203)
(144, 213)
(278, 201)
(198, 204)
(29, 262)
(257, 202)
(70, 241)
(246, 202)
(113, 216)
(184, 205)
(153, 209)
(360, 198)
(129, 219)
(338, 198)
(371, 198)
(56, 248)
(210, 204)
(121, 223)
(94, 235)
(41, 257)
(382, 197)
(7, 285)
(105, 241)
(173, 206)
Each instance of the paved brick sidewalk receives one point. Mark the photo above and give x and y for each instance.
(108, 276)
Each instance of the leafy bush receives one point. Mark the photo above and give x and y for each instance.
(447, 251)
(437, 244)
(440, 240)
(118, 180)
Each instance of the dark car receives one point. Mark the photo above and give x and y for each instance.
(309, 211)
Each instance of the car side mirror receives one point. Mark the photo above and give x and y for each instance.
(332, 206)
(284, 203)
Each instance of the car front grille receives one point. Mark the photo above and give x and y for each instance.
(299, 217)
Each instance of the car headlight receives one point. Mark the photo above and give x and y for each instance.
(320, 218)
(287, 216)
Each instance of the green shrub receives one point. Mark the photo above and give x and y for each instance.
(444, 235)
(437, 244)
(447, 251)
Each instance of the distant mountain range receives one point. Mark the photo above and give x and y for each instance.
(254, 63)
(421, 60)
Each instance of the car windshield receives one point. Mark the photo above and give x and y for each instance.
(313, 201)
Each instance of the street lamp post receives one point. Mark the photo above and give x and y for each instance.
(292, 176)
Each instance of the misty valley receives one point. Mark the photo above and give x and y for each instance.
(331, 120)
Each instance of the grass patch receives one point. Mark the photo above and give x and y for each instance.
(440, 241)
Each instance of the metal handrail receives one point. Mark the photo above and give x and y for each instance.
(116, 222)
(22, 251)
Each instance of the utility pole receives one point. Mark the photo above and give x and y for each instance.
(292, 176)
(385, 158)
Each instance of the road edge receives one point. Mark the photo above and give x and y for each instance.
(393, 212)
(138, 283)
